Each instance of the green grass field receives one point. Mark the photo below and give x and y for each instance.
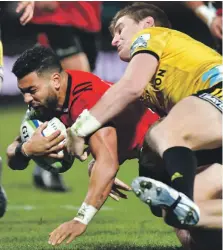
(32, 213)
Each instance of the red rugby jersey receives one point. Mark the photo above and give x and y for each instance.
(85, 89)
(80, 14)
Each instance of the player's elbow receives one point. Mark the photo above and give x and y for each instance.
(111, 164)
(134, 91)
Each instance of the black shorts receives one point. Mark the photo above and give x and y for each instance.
(213, 95)
(67, 41)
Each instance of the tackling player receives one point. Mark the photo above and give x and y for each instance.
(174, 75)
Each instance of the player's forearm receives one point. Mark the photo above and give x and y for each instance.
(99, 188)
(103, 145)
(15, 161)
(101, 181)
(115, 100)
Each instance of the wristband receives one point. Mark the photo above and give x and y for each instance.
(20, 152)
(85, 124)
(85, 213)
(20, 157)
(206, 14)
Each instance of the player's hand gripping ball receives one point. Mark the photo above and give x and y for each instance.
(51, 164)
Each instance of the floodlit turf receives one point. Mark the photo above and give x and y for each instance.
(32, 213)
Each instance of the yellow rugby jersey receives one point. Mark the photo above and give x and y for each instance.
(185, 66)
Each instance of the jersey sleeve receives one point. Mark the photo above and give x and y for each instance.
(152, 41)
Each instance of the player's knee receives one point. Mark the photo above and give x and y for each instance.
(160, 136)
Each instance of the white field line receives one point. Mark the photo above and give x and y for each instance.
(31, 207)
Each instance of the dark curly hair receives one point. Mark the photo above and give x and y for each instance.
(37, 59)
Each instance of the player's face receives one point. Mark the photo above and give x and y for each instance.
(38, 91)
(124, 31)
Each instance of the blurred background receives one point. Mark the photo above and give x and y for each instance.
(54, 25)
(78, 33)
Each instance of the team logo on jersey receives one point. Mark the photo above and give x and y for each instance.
(140, 42)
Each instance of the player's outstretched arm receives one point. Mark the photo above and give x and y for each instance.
(103, 146)
(138, 74)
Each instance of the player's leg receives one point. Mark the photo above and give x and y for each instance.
(151, 165)
(3, 198)
(66, 43)
(208, 194)
(192, 124)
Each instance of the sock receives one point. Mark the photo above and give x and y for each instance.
(180, 163)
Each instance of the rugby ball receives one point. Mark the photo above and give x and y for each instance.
(27, 129)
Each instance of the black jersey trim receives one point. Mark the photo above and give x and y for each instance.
(148, 52)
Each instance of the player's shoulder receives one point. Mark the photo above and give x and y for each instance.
(152, 31)
(78, 75)
(82, 78)
(155, 33)
(143, 37)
